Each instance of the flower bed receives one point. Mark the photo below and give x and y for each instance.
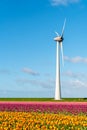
(43, 116)
(41, 121)
(51, 107)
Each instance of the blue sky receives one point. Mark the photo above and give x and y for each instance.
(28, 52)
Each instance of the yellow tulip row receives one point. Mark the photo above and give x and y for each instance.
(41, 121)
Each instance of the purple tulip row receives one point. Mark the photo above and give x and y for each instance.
(73, 108)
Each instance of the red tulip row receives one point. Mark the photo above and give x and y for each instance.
(74, 108)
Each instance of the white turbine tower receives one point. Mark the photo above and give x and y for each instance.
(59, 39)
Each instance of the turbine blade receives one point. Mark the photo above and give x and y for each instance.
(63, 27)
(57, 33)
(61, 45)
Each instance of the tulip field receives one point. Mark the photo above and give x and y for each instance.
(43, 116)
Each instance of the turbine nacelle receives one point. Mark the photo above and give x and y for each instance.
(58, 39)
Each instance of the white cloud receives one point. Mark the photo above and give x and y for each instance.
(71, 74)
(75, 79)
(30, 71)
(78, 83)
(76, 59)
(74, 83)
(4, 71)
(63, 2)
(44, 84)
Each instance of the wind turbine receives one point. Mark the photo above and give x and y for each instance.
(59, 40)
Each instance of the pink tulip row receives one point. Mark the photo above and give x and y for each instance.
(56, 107)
